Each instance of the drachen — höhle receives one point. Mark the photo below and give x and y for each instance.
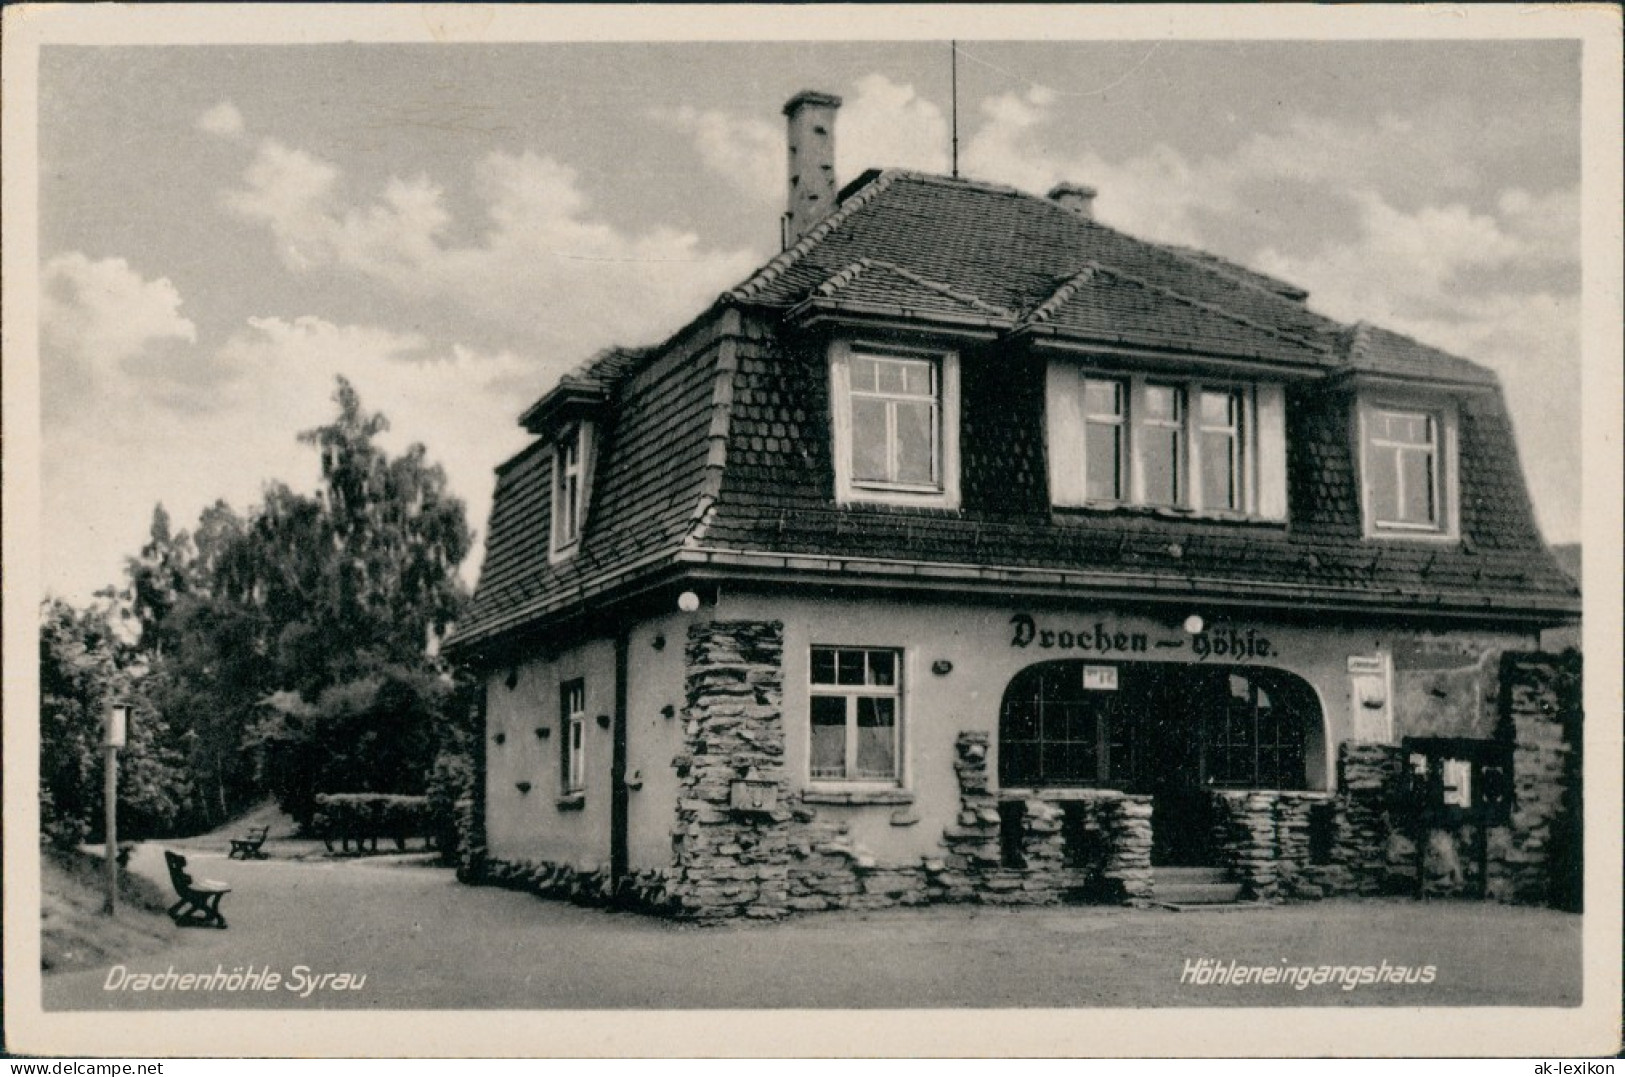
(301, 980)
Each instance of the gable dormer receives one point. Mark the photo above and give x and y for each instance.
(1406, 406)
(893, 341)
(1159, 402)
(570, 417)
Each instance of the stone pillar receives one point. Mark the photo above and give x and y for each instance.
(974, 867)
(730, 860)
(1127, 870)
(1292, 811)
(972, 843)
(1371, 777)
(1257, 856)
(1540, 703)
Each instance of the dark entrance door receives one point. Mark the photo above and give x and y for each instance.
(1168, 737)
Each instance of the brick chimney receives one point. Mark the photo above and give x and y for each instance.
(1077, 197)
(812, 161)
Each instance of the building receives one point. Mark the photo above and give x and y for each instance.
(971, 549)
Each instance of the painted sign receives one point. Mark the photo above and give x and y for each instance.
(1224, 642)
(1096, 638)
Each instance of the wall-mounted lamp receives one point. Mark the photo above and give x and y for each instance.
(688, 601)
(500, 738)
(1194, 624)
(543, 732)
(603, 721)
(512, 678)
(942, 667)
(523, 787)
(668, 711)
(658, 643)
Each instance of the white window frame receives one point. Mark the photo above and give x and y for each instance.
(1067, 390)
(570, 488)
(1443, 421)
(851, 693)
(943, 490)
(1235, 430)
(1118, 421)
(573, 727)
(1143, 427)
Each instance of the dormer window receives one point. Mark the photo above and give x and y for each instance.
(1105, 435)
(1219, 428)
(1407, 468)
(1162, 439)
(1183, 446)
(571, 451)
(896, 413)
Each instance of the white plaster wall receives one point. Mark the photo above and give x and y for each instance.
(530, 825)
(654, 681)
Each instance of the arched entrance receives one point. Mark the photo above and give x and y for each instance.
(1168, 730)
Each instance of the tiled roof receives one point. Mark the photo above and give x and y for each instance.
(647, 487)
(716, 443)
(1008, 248)
(1368, 349)
(868, 286)
(1242, 273)
(594, 379)
(1103, 304)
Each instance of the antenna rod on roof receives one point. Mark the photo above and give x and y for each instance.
(953, 80)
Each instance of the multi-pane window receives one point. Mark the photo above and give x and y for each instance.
(896, 419)
(1251, 738)
(1055, 732)
(573, 726)
(1162, 443)
(1219, 428)
(568, 488)
(1142, 725)
(1402, 469)
(855, 705)
(895, 424)
(1103, 456)
(1130, 440)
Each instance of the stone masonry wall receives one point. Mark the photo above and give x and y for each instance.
(1263, 837)
(1378, 843)
(1368, 846)
(1114, 830)
(1536, 859)
(975, 867)
(784, 856)
(728, 861)
(1263, 840)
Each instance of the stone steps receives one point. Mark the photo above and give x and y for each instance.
(1182, 887)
